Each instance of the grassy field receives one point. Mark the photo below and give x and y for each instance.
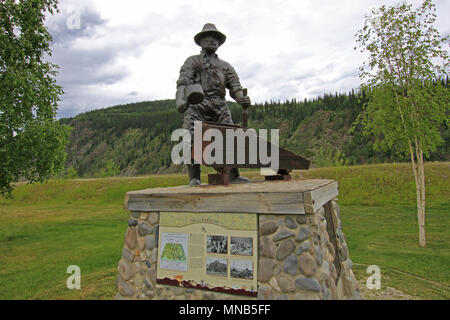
(48, 227)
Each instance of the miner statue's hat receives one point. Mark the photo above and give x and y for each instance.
(210, 29)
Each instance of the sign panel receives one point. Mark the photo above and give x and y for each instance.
(211, 251)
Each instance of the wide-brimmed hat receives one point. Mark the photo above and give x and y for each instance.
(210, 29)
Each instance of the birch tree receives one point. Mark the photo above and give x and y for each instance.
(406, 57)
(32, 142)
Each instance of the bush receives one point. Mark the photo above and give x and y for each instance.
(111, 169)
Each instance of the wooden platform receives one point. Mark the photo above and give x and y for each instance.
(274, 197)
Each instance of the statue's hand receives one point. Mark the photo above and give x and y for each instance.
(243, 100)
(180, 100)
(182, 106)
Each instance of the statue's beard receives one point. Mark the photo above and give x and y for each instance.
(209, 49)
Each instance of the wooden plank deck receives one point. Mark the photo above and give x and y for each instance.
(269, 197)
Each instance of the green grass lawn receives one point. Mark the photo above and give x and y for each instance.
(48, 227)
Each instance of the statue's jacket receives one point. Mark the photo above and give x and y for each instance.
(215, 76)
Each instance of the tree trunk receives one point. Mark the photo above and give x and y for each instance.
(421, 171)
(419, 176)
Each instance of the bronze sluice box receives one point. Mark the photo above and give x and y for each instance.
(288, 160)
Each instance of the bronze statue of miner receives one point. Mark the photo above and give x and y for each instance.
(201, 91)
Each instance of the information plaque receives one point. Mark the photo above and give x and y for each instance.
(211, 251)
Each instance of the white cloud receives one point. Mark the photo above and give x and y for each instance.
(132, 51)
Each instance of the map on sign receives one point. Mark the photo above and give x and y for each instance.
(210, 251)
(174, 251)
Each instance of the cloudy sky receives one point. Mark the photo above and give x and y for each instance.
(113, 52)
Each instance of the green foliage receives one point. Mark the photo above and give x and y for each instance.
(111, 169)
(71, 173)
(328, 156)
(32, 143)
(404, 102)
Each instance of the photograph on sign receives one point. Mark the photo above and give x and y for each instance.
(242, 269)
(217, 267)
(174, 253)
(217, 244)
(241, 246)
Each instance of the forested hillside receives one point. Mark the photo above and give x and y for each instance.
(135, 138)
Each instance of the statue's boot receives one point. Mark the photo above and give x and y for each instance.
(194, 174)
(236, 178)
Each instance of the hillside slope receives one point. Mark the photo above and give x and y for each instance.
(136, 137)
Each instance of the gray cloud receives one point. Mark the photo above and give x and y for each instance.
(83, 67)
(281, 50)
(63, 33)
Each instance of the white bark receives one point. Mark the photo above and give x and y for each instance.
(419, 176)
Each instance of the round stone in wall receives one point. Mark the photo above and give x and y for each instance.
(265, 269)
(149, 242)
(283, 234)
(140, 243)
(153, 218)
(132, 222)
(325, 274)
(319, 256)
(268, 228)
(307, 265)
(144, 229)
(316, 238)
(307, 284)
(286, 248)
(301, 219)
(290, 223)
(152, 275)
(139, 280)
(127, 254)
(131, 238)
(303, 234)
(264, 293)
(303, 247)
(290, 265)
(125, 289)
(286, 284)
(126, 269)
(266, 248)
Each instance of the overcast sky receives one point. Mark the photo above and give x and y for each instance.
(131, 51)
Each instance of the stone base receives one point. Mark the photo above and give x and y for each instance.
(301, 257)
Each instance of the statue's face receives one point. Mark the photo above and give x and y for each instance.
(209, 43)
